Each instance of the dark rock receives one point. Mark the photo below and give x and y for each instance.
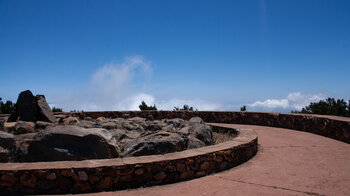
(2, 121)
(152, 127)
(196, 120)
(149, 118)
(7, 145)
(177, 122)
(72, 143)
(157, 143)
(203, 133)
(26, 107)
(31, 108)
(44, 112)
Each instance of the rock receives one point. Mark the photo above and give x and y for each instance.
(87, 124)
(194, 143)
(196, 120)
(203, 133)
(149, 118)
(100, 120)
(152, 127)
(137, 120)
(10, 127)
(157, 143)
(44, 112)
(31, 108)
(185, 130)
(159, 176)
(177, 122)
(72, 143)
(108, 125)
(70, 121)
(7, 146)
(2, 121)
(7, 140)
(42, 124)
(24, 127)
(26, 107)
(88, 118)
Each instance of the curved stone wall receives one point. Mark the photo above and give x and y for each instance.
(121, 173)
(330, 126)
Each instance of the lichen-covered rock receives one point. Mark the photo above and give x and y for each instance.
(72, 143)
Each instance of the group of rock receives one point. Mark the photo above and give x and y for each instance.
(36, 134)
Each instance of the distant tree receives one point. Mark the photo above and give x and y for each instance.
(244, 108)
(329, 106)
(6, 108)
(54, 109)
(144, 106)
(184, 108)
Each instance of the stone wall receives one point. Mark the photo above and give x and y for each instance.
(330, 126)
(122, 173)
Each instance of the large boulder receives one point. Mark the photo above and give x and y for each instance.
(157, 143)
(31, 108)
(7, 146)
(203, 133)
(72, 143)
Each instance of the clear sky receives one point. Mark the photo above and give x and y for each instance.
(214, 55)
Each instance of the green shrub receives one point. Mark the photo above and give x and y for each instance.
(144, 106)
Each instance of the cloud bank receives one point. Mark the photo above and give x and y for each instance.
(119, 86)
(293, 101)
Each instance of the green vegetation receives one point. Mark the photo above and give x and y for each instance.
(244, 108)
(6, 108)
(54, 109)
(184, 108)
(329, 106)
(144, 106)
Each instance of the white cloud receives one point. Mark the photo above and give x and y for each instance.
(293, 101)
(118, 86)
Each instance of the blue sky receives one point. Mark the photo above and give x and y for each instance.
(215, 55)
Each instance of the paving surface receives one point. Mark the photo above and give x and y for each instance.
(288, 163)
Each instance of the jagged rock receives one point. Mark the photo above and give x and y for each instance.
(196, 120)
(31, 108)
(203, 133)
(44, 112)
(157, 143)
(22, 127)
(72, 143)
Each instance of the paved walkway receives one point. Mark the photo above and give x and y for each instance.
(288, 163)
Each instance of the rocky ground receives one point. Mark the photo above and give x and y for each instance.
(33, 133)
(71, 138)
